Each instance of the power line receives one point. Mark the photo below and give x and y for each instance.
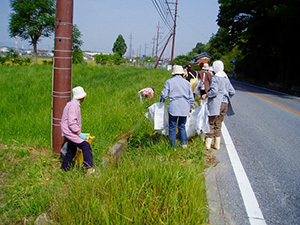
(161, 14)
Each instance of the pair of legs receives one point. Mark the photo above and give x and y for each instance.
(72, 150)
(215, 122)
(215, 125)
(181, 129)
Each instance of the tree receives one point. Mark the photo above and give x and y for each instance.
(32, 20)
(266, 32)
(77, 55)
(102, 59)
(120, 46)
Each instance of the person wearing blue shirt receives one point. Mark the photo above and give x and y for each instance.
(180, 93)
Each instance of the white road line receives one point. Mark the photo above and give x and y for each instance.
(252, 207)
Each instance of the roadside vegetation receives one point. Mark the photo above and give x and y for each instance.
(152, 184)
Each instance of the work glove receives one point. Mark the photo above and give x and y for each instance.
(84, 136)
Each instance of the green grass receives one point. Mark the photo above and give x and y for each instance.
(152, 184)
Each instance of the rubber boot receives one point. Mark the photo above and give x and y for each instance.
(208, 142)
(217, 143)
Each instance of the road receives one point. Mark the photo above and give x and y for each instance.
(266, 134)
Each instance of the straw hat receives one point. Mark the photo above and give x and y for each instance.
(205, 66)
(177, 70)
(78, 92)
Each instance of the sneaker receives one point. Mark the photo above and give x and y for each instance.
(184, 146)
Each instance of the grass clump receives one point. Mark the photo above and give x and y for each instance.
(152, 184)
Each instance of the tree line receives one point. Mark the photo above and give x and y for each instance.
(34, 19)
(261, 35)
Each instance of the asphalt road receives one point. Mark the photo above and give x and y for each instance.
(266, 135)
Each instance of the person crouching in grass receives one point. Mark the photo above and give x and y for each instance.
(71, 130)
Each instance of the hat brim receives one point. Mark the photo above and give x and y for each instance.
(80, 96)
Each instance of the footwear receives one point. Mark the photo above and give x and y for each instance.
(90, 171)
(184, 146)
(208, 142)
(217, 143)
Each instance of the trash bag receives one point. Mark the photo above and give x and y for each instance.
(158, 115)
(140, 97)
(197, 122)
(64, 149)
(191, 123)
(202, 119)
(198, 86)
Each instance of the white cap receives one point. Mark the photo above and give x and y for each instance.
(177, 70)
(78, 92)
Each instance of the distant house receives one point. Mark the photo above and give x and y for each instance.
(4, 49)
(201, 58)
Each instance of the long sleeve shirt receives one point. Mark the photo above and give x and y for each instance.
(180, 93)
(220, 91)
(71, 121)
(147, 92)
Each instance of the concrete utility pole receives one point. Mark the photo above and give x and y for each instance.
(157, 38)
(157, 61)
(153, 47)
(130, 46)
(62, 68)
(174, 32)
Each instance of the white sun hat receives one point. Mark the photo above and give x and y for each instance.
(78, 92)
(177, 70)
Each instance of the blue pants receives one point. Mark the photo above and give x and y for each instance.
(181, 129)
(72, 150)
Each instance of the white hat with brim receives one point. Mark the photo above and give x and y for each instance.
(78, 93)
(177, 70)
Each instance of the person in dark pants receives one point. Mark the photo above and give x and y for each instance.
(180, 93)
(71, 130)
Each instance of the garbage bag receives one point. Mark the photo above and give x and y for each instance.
(64, 149)
(158, 115)
(202, 119)
(191, 123)
(197, 122)
(197, 88)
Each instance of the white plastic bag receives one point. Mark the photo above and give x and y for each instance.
(158, 115)
(191, 123)
(202, 119)
(197, 89)
(64, 149)
(197, 122)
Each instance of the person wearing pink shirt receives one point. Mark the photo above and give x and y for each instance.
(71, 130)
(147, 92)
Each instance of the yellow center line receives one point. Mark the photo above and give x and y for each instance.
(269, 100)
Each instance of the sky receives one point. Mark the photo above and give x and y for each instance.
(101, 21)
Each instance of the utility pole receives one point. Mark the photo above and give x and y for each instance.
(146, 46)
(153, 47)
(62, 68)
(130, 46)
(157, 38)
(174, 32)
(162, 51)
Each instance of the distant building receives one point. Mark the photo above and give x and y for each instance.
(201, 58)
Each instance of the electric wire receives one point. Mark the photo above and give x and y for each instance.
(162, 15)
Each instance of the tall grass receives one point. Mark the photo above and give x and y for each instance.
(153, 183)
